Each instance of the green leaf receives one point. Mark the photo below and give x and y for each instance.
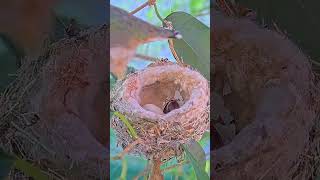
(30, 170)
(196, 155)
(132, 132)
(205, 139)
(194, 47)
(6, 162)
(207, 169)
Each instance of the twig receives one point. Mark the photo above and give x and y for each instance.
(127, 149)
(156, 173)
(145, 57)
(139, 8)
(174, 53)
(315, 62)
(277, 29)
(149, 2)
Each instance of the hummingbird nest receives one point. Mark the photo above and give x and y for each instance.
(167, 105)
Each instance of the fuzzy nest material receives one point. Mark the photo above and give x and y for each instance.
(54, 113)
(142, 96)
(267, 84)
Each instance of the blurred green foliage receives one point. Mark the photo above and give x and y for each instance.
(8, 161)
(300, 19)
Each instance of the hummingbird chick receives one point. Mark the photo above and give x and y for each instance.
(127, 32)
(170, 106)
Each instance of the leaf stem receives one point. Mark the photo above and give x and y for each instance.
(157, 13)
(124, 170)
(174, 53)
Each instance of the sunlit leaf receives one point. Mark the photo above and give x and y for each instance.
(194, 47)
(207, 169)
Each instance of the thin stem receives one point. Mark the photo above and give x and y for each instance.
(157, 13)
(145, 57)
(124, 169)
(139, 8)
(173, 51)
(126, 150)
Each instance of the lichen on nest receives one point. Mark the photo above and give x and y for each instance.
(143, 95)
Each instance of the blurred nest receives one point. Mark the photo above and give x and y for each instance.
(268, 86)
(167, 104)
(40, 135)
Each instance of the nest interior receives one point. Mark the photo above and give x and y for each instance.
(159, 92)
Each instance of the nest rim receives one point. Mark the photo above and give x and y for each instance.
(189, 103)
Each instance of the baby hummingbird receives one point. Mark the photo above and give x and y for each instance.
(127, 32)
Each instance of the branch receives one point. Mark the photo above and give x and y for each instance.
(126, 150)
(148, 58)
(149, 2)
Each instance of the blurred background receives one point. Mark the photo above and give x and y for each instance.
(23, 22)
(131, 166)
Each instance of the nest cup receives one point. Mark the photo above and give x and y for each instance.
(142, 97)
